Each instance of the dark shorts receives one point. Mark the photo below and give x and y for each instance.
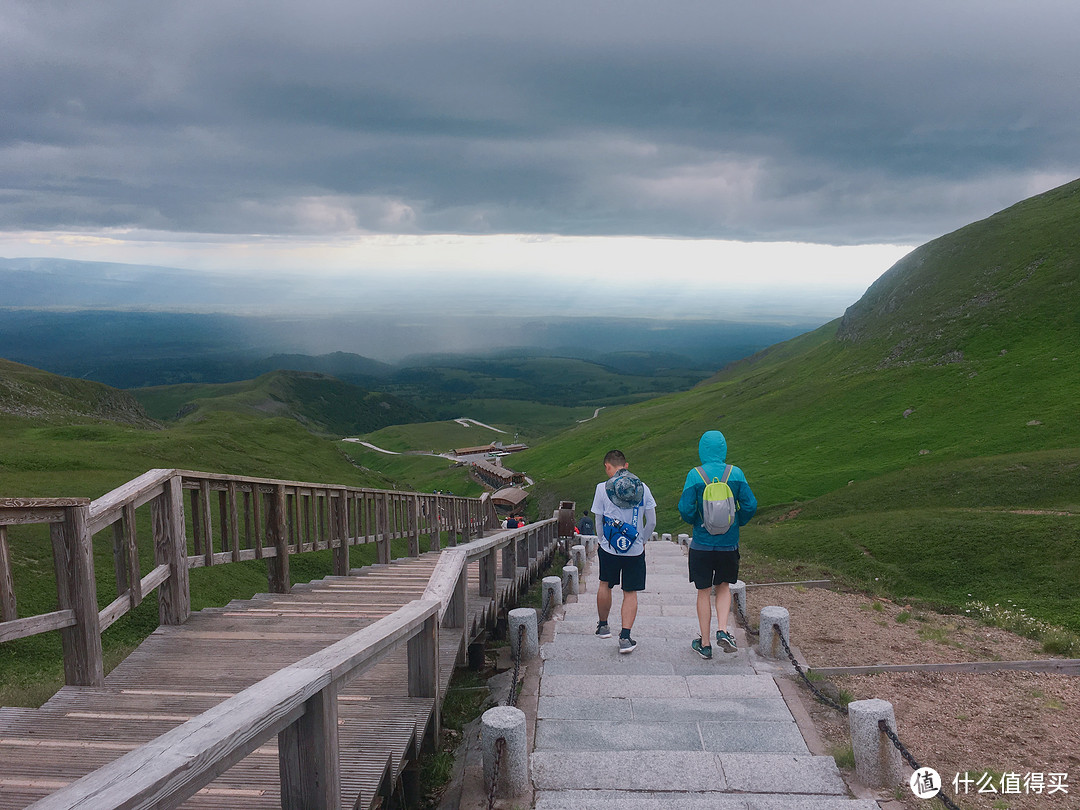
(708, 568)
(627, 568)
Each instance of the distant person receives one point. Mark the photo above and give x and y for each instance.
(586, 525)
(714, 550)
(625, 510)
(511, 522)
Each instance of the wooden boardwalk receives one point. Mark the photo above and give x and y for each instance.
(179, 672)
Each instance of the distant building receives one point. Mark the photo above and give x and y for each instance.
(496, 476)
(509, 498)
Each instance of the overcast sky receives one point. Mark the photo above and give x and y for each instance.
(307, 137)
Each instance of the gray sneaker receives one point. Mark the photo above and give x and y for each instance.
(627, 645)
(602, 630)
(726, 641)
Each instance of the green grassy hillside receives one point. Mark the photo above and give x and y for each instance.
(319, 402)
(60, 437)
(909, 439)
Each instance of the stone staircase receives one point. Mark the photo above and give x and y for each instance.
(661, 727)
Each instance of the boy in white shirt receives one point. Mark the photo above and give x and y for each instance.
(625, 514)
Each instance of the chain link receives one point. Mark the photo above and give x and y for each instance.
(511, 700)
(884, 727)
(844, 710)
(743, 620)
(500, 744)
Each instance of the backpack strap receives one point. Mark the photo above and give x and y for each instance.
(727, 472)
(701, 472)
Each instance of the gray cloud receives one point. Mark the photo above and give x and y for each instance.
(839, 122)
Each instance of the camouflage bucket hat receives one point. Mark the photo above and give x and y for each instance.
(625, 489)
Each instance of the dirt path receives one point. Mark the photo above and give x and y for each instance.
(1000, 723)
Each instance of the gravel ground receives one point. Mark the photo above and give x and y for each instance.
(997, 723)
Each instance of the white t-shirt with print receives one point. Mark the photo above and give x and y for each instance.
(602, 506)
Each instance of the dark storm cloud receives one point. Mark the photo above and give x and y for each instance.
(835, 121)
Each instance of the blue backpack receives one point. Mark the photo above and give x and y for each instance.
(619, 534)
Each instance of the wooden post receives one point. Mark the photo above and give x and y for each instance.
(234, 522)
(487, 573)
(414, 526)
(278, 566)
(534, 550)
(308, 758)
(434, 523)
(7, 581)
(339, 530)
(509, 560)
(132, 553)
(73, 555)
(424, 665)
(170, 547)
(456, 607)
(207, 529)
(382, 546)
(257, 519)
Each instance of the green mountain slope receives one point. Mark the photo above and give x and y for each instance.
(319, 402)
(943, 404)
(30, 392)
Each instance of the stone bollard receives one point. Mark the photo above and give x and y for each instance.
(877, 760)
(666, 536)
(570, 579)
(552, 591)
(526, 617)
(654, 537)
(684, 539)
(577, 555)
(769, 640)
(505, 723)
(591, 542)
(738, 600)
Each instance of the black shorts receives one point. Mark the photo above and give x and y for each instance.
(629, 568)
(709, 567)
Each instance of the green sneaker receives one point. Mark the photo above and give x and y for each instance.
(726, 641)
(704, 652)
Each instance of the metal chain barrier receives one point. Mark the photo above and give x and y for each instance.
(511, 699)
(500, 744)
(828, 701)
(911, 761)
(743, 620)
(844, 710)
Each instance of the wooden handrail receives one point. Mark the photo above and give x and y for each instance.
(176, 765)
(254, 518)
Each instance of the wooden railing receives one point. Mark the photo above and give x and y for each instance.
(299, 703)
(254, 518)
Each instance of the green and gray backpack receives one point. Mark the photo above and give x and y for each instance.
(717, 503)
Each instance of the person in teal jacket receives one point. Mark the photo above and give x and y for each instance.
(714, 558)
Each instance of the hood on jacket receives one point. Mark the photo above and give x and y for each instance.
(712, 447)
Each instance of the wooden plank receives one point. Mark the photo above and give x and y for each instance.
(1063, 665)
(8, 609)
(278, 569)
(15, 516)
(113, 611)
(33, 625)
(106, 509)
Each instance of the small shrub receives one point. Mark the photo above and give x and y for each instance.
(877, 606)
(903, 617)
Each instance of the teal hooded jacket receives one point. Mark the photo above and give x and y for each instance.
(712, 450)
